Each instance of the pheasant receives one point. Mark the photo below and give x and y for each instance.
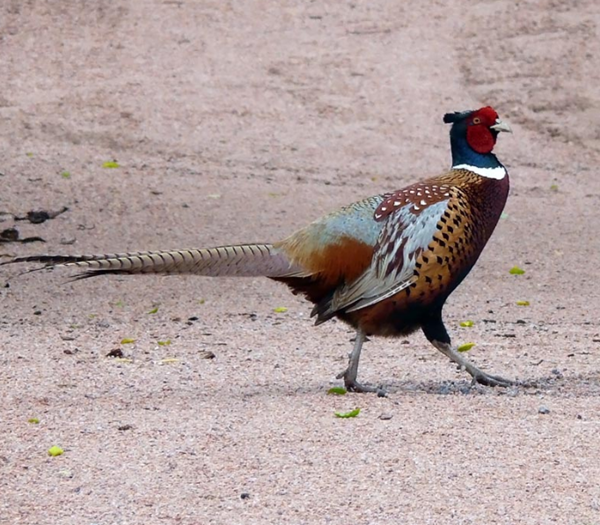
(385, 265)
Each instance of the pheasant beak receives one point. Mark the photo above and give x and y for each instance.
(501, 126)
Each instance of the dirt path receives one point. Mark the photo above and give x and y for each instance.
(241, 122)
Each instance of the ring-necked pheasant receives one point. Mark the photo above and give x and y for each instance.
(385, 265)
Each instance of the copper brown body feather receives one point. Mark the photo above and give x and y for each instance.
(329, 267)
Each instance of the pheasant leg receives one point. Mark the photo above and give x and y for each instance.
(479, 376)
(350, 374)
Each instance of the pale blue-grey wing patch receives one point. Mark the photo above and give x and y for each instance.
(405, 235)
(355, 221)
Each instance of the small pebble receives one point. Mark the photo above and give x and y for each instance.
(444, 390)
(385, 417)
(543, 410)
(244, 495)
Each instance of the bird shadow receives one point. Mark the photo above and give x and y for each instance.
(582, 385)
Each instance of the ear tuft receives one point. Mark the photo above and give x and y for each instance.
(450, 118)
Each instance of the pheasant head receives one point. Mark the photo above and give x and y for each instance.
(472, 138)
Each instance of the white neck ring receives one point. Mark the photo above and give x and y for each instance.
(497, 173)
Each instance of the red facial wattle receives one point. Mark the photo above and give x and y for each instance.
(479, 134)
(480, 138)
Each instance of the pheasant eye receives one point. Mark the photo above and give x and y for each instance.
(476, 120)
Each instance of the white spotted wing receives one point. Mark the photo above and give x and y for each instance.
(407, 232)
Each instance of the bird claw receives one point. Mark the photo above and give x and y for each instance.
(488, 380)
(352, 385)
(364, 389)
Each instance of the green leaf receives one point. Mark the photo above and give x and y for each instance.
(167, 342)
(337, 391)
(29, 154)
(127, 341)
(33, 421)
(154, 310)
(346, 415)
(55, 451)
(554, 187)
(111, 164)
(65, 175)
(515, 270)
(466, 324)
(201, 301)
(119, 304)
(280, 310)
(523, 303)
(466, 347)
(504, 215)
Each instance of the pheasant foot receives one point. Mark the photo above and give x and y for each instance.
(489, 380)
(352, 385)
(349, 375)
(479, 376)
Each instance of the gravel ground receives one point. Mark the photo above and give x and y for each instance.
(242, 121)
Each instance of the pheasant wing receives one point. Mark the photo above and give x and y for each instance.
(410, 227)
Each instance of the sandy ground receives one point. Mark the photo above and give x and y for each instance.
(241, 121)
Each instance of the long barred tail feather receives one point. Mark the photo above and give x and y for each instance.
(244, 260)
